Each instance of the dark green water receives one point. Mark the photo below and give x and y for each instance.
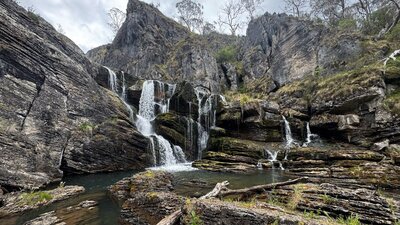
(107, 212)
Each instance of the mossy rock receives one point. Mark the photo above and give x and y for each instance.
(237, 147)
(217, 166)
(172, 121)
(171, 135)
(394, 153)
(223, 157)
(217, 132)
(392, 70)
(392, 102)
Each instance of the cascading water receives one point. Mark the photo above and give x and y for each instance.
(309, 135)
(288, 133)
(154, 100)
(288, 137)
(207, 109)
(273, 157)
(113, 84)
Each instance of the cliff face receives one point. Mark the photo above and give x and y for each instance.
(54, 116)
(143, 40)
(151, 46)
(286, 48)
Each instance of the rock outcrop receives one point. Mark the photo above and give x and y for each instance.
(54, 116)
(20, 202)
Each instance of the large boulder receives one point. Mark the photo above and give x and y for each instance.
(47, 97)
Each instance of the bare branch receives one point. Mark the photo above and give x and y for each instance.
(116, 19)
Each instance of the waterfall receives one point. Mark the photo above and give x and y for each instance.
(288, 133)
(202, 134)
(272, 157)
(288, 137)
(112, 80)
(207, 109)
(309, 135)
(113, 84)
(156, 97)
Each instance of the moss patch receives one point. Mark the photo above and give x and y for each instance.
(392, 102)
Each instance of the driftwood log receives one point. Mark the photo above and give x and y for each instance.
(221, 190)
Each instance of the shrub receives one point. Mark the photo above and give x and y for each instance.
(86, 127)
(347, 24)
(394, 34)
(195, 219)
(34, 198)
(226, 54)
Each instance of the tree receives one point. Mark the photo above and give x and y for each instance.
(251, 6)
(190, 14)
(208, 28)
(296, 7)
(331, 10)
(60, 29)
(231, 15)
(116, 19)
(396, 19)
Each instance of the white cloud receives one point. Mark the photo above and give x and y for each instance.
(85, 21)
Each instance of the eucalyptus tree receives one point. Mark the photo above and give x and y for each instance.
(190, 14)
(115, 19)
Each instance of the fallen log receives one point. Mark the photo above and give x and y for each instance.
(220, 190)
(260, 188)
(171, 219)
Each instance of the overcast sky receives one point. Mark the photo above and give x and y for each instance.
(85, 21)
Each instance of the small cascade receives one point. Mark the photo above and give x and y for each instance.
(288, 137)
(288, 133)
(309, 135)
(153, 101)
(273, 158)
(113, 84)
(259, 165)
(112, 80)
(207, 115)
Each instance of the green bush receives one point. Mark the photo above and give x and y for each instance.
(195, 219)
(394, 34)
(86, 127)
(226, 54)
(347, 24)
(34, 198)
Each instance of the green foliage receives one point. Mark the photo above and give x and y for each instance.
(86, 127)
(195, 219)
(394, 34)
(351, 220)
(310, 214)
(347, 24)
(377, 21)
(226, 54)
(34, 198)
(392, 102)
(327, 199)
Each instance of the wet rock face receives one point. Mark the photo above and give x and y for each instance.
(48, 97)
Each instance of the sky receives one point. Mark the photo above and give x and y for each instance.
(85, 21)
